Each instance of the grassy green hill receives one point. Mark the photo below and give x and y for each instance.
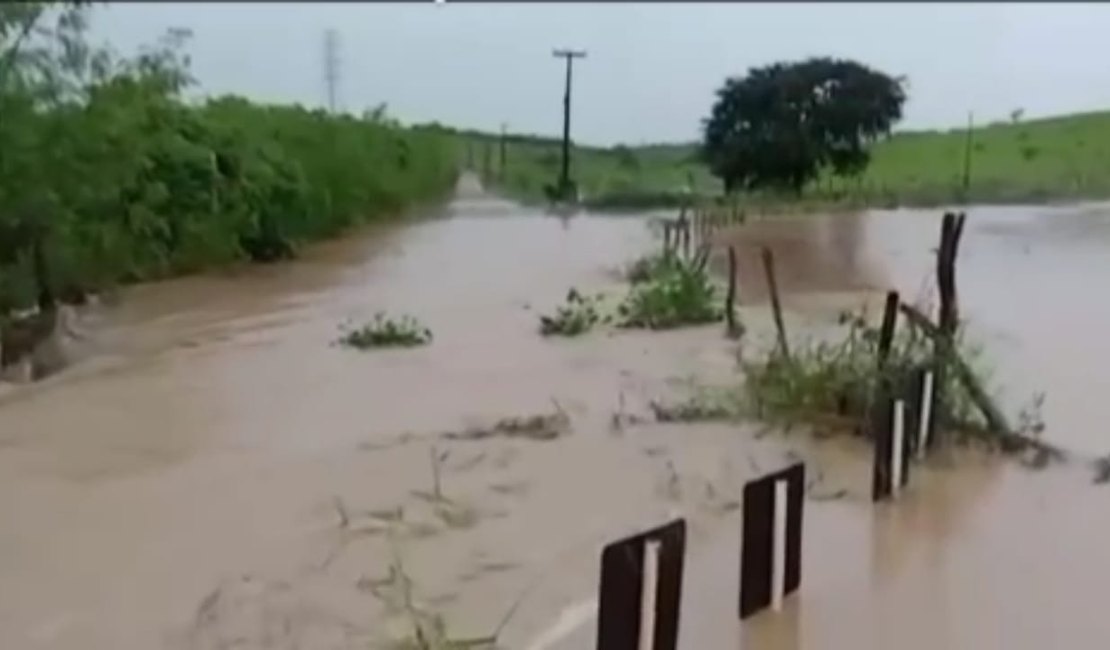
(1066, 157)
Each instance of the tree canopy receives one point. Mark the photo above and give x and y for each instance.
(783, 124)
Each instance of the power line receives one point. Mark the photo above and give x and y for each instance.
(331, 67)
(564, 176)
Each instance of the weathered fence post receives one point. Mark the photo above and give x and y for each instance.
(952, 227)
(730, 296)
(776, 306)
(886, 331)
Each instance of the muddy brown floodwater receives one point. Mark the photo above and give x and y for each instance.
(212, 473)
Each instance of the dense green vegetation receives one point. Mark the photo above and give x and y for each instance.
(1016, 160)
(108, 175)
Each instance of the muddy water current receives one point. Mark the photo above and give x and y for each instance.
(213, 473)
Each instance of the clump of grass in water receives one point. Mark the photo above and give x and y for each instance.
(670, 292)
(824, 381)
(643, 269)
(385, 332)
(578, 315)
(705, 404)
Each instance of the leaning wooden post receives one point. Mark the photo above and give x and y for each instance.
(730, 297)
(963, 374)
(776, 306)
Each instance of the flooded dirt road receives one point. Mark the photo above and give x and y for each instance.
(214, 474)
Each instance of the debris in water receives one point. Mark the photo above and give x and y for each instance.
(516, 488)
(1102, 470)
(691, 410)
(829, 496)
(541, 427)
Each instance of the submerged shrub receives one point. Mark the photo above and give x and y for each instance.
(652, 265)
(383, 332)
(576, 316)
(670, 292)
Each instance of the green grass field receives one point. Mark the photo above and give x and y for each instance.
(1058, 158)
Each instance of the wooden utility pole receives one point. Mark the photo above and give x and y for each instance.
(564, 176)
(501, 167)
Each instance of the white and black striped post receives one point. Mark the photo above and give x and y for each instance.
(648, 594)
(926, 397)
(891, 470)
(771, 540)
(897, 446)
(641, 589)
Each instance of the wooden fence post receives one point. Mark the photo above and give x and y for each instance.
(730, 297)
(776, 306)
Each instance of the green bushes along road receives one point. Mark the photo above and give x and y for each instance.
(108, 175)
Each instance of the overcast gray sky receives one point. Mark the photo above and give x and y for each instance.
(652, 68)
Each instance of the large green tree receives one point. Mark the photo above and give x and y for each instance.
(781, 125)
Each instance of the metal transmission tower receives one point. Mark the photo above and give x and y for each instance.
(331, 66)
(564, 176)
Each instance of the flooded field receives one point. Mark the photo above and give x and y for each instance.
(213, 473)
(1026, 278)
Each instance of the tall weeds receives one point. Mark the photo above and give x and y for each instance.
(825, 380)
